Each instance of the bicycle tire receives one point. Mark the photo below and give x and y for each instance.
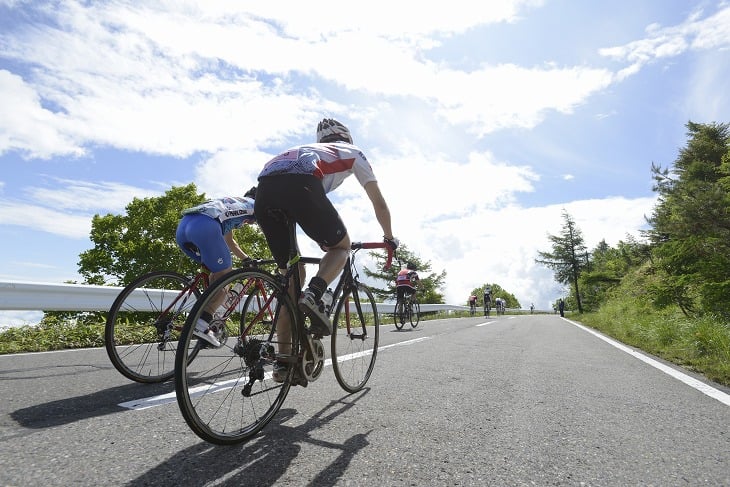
(227, 395)
(355, 337)
(140, 341)
(415, 314)
(398, 315)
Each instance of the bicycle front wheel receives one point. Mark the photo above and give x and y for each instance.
(415, 314)
(228, 394)
(144, 324)
(355, 337)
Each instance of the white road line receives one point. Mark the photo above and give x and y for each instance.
(162, 399)
(690, 381)
(485, 323)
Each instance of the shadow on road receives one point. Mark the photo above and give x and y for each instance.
(99, 403)
(263, 460)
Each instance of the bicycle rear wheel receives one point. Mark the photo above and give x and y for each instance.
(228, 394)
(355, 337)
(415, 314)
(144, 324)
(399, 315)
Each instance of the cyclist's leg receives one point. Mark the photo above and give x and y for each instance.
(268, 205)
(304, 201)
(283, 326)
(204, 234)
(320, 220)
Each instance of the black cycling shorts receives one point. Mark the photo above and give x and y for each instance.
(302, 198)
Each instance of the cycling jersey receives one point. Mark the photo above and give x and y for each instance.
(406, 278)
(329, 162)
(231, 212)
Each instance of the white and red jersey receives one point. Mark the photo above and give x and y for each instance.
(331, 162)
(406, 277)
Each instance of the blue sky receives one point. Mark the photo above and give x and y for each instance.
(482, 123)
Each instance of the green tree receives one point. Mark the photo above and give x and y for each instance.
(429, 286)
(606, 269)
(142, 240)
(691, 224)
(497, 292)
(569, 256)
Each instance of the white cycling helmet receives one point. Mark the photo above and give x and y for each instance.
(330, 130)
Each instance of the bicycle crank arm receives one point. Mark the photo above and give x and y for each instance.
(312, 362)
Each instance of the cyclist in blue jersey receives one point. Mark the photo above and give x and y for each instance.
(205, 235)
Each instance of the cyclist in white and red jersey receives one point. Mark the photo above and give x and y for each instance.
(204, 234)
(297, 182)
(406, 281)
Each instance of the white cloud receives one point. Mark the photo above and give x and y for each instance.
(88, 196)
(178, 79)
(28, 127)
(695, 32)
(45, 219)
(66, 209)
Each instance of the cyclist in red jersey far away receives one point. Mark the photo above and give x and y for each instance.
(296, 183)
(406, 281)
(472, 303)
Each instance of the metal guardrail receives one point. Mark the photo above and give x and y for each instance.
(39, 296)
(56, 297)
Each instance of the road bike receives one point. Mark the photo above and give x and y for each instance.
(472, 309)
(228, 394)
(146, 319)
(487, 307)
(407, 309)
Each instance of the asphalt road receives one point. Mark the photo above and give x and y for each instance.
(507, 401)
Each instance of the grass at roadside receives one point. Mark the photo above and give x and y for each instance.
(51, 335)
(698, 344)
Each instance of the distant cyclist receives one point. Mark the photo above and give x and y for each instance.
(487, 300)
(205, 234)
(406, 282)
(499, 303)
(472, 304)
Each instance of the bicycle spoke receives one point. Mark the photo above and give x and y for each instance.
(355, 337)
(144, 324)
(228, 394)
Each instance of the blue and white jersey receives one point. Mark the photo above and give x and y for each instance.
(231, 211)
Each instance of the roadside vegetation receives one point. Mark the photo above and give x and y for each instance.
(700, 344)
(667, 293)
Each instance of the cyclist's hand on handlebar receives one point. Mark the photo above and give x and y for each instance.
(392, 242)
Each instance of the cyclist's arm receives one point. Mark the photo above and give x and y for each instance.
(234, 247)
(382, 212)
